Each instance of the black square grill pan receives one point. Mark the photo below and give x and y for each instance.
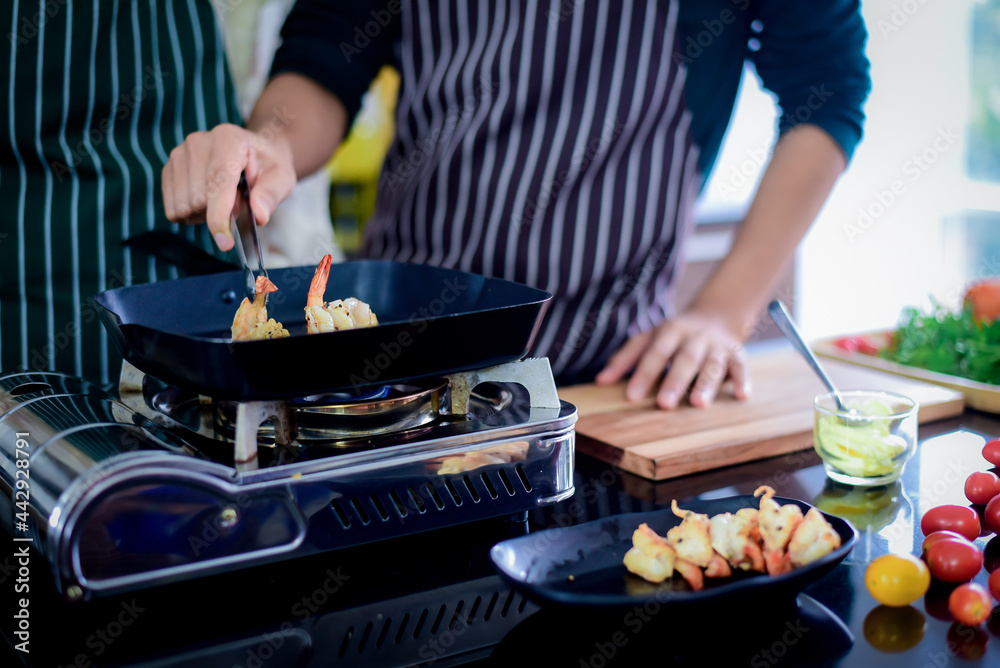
(432, 321)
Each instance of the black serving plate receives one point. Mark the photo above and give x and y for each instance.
(541, 564)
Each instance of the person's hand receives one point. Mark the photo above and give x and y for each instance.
(200, 179)
(696, 350)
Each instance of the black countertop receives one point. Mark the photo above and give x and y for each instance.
(435, 599)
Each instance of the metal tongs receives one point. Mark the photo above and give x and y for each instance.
(248, 277)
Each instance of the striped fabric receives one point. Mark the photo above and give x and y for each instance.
(97, 94)
(547, 145)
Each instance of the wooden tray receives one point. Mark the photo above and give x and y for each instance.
(981, 396)
(775, 420)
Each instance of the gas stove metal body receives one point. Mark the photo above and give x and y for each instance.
(123, 493)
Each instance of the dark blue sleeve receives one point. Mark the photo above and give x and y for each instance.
(339, 44)
(812, 58)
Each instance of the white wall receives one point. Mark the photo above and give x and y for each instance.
(745, 150)
(879, 244)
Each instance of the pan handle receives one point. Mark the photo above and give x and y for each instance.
(178, 251)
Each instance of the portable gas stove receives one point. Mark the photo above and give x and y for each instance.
(158, 484)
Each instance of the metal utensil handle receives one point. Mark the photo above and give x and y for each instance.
(245, 190)
(779, 314)
(248, 277)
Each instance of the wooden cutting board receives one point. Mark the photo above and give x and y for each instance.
(776, 419)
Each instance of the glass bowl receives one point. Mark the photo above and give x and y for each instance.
(871, 442)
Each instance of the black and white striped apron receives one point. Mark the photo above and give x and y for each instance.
(97, 93)
(547, 142)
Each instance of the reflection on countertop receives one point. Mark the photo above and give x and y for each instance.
(435, 599)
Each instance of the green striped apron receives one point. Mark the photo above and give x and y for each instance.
(97, 93)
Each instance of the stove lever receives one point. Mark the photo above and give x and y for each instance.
(534, 373)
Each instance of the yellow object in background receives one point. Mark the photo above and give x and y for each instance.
(354, 169)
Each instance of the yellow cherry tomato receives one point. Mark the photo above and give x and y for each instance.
(897, 579)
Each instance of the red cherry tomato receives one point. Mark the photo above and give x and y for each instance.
(981, 487)
(954, 560)
(994, 584)
(991, 451)
(992, 514)
(960, 519)
(867, 347)
(970, 604)
(940, 535)
(857, 344)
(848, 343)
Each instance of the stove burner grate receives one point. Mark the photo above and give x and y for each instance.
(331, 418)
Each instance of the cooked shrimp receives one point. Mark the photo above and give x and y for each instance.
(336, 315)
(690, 538)
(732, 537)
(777, 524)
(650, 557)
(813, 539)
(749, 515)
(718, 567)
(691, 573)
(251, 321)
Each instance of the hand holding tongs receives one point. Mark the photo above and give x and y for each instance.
(244, 190)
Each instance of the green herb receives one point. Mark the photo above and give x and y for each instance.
(947, 342)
